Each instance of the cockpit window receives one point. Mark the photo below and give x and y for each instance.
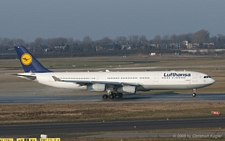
(207, 76)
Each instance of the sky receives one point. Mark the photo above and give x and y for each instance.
(30, 19)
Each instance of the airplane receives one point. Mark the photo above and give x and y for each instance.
(114, 83)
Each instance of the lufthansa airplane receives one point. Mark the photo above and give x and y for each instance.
(114, 83)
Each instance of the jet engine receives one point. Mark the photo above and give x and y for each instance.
(96, 87)
(127, 89)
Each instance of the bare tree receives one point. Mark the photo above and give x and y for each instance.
(174, 38)
(104, 41)
(6, 41)
(87, 40)
(166, 38)
(220, 40)
(201, 36)
(38, 41)
(157, 39)
(18, 41)
(134, 40)
(185, 37)
(121, 40)
(143, 40)
(70, 41)
(1, 41)
(60, 41)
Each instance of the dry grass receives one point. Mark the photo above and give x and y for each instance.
(96, 62)
(32, 113)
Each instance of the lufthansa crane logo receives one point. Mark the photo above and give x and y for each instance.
(26, 59)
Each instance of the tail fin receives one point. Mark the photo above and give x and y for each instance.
(28, 61)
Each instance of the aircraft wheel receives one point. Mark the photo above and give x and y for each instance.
(120, 95)
(194, 95)
(105, 96)
(111, 96)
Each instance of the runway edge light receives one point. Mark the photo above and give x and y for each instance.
(43, 136)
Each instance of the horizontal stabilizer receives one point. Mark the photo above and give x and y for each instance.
(28, 77)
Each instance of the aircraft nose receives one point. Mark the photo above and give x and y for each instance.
(212, 81)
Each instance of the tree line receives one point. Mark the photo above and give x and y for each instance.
(122, 45)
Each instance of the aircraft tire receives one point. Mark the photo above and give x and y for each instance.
(120, 95)
(105, 96)
(194, 95)
(111, 96)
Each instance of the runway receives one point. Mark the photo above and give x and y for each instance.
(63, 129)
(35, 98)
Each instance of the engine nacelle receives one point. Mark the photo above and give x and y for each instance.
(127, 89)
(96, 87)
(141, 88)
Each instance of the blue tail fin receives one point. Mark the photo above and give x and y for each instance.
(28, 61)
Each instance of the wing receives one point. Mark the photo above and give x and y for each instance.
(83, 82)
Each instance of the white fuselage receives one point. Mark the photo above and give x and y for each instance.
(152, 80)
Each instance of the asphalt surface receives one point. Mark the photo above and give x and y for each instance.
(58, 129)
(169, 97)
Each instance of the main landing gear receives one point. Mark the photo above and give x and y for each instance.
(194, 93)
(112, 95)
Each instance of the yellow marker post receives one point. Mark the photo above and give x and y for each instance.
(6, 139)
(49, 139)
(26, 139)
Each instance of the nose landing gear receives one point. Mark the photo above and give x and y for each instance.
(194, 93)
